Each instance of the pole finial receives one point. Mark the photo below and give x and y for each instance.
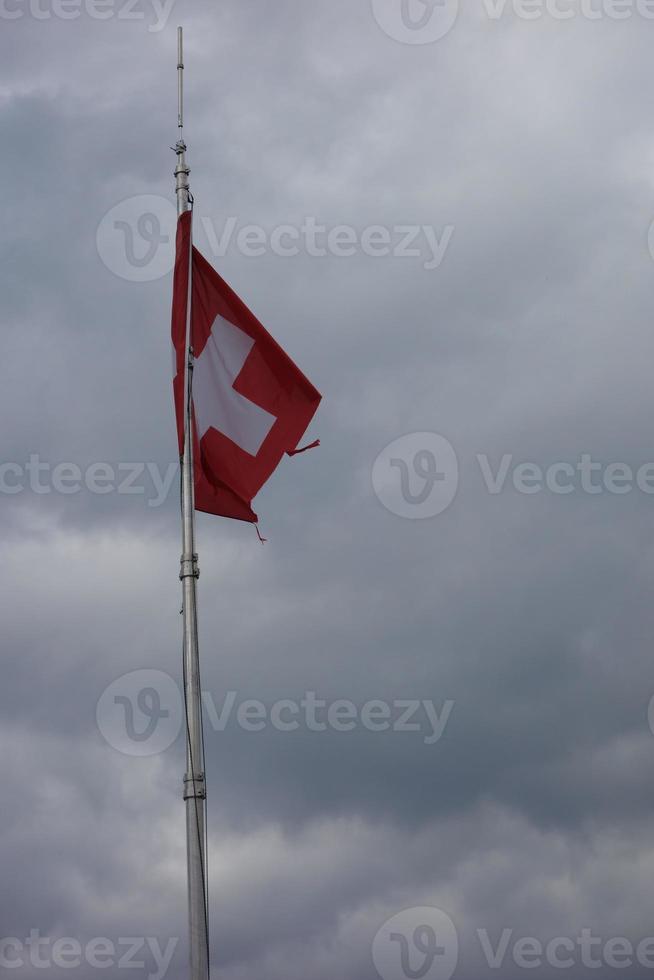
(181, 171)
(180, 78)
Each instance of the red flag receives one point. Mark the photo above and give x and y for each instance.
(251, 404)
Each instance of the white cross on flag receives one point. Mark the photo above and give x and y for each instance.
(250, 403)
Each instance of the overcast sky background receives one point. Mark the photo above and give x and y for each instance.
(533, 613)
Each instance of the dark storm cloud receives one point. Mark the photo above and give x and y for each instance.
(531, 613)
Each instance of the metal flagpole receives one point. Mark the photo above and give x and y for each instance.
(194, 780)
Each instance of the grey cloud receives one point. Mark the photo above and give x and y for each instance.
(532, 613)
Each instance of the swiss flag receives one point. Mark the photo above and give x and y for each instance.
(250, 402)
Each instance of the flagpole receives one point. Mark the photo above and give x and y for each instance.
(194, 780)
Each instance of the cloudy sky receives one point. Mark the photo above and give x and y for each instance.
(445, 221)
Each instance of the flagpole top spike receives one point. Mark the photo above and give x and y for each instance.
(180, 79)
(181, 171)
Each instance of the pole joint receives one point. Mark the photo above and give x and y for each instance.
(181, 174)
(194, 787)
(182, 167)
(189, 567)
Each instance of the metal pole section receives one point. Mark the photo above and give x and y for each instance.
(181, 170)
(194, 780)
